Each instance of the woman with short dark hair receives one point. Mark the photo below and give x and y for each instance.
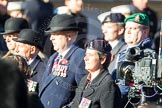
(97, 89)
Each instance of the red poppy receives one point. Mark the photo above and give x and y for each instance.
(64, 61)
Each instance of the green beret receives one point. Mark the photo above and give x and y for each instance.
(139, 18)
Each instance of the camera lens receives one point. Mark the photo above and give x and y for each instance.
(133, 54)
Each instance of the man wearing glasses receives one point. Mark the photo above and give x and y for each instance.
(12, 27)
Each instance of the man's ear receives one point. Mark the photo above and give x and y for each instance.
(145, 33)
(103, 59)
(32, 49)
(69, 36)
(120, 31)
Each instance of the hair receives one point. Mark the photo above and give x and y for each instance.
(19, 61)
(108, 58)
(145, 27)
(13, 90)
(120, 24)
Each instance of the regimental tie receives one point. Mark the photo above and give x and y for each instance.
(56, 64)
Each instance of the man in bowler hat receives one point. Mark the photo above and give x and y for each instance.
(65, 67)
(12, 28)
(28, 45)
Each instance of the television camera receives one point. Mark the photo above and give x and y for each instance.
(142, 71)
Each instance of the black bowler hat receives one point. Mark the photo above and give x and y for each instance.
(114, 17)
(99, 45)
(14, 25)
(28, 36)
(62, 22)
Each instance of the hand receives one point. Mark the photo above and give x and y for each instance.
(149, 106)
(143, 106)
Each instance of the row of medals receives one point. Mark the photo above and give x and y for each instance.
(60, 70)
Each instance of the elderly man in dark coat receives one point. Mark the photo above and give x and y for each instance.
(66, 67)
(27, 45)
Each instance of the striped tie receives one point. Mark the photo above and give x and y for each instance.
(56, 62)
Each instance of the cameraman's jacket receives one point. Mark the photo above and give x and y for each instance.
(147, 43)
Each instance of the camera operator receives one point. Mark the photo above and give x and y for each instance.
(136, 35)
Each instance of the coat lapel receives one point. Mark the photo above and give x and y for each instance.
(95, 83)
(88, 91)
(35, 63)
(48, 75)
(33, 66)
(117, 48)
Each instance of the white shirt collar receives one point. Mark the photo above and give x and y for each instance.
(66, 51)
(30, 61)
(114, 43)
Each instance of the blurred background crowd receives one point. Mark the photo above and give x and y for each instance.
(39, 12)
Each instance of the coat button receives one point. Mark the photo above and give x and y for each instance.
(48, 103)
(57, 83)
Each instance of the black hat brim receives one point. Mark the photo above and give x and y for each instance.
(9, 32)
(51, 30)
(24, 41)
(27, 42)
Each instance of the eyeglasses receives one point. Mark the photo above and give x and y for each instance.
(11, 36)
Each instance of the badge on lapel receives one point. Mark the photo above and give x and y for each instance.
(85, 103)
(32, 85)
(63, 61)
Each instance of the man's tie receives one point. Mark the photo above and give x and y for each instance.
(56, 63)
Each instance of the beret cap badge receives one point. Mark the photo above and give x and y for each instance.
(137, 18)
(108, 20)
(99, 45)
(114, 17)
